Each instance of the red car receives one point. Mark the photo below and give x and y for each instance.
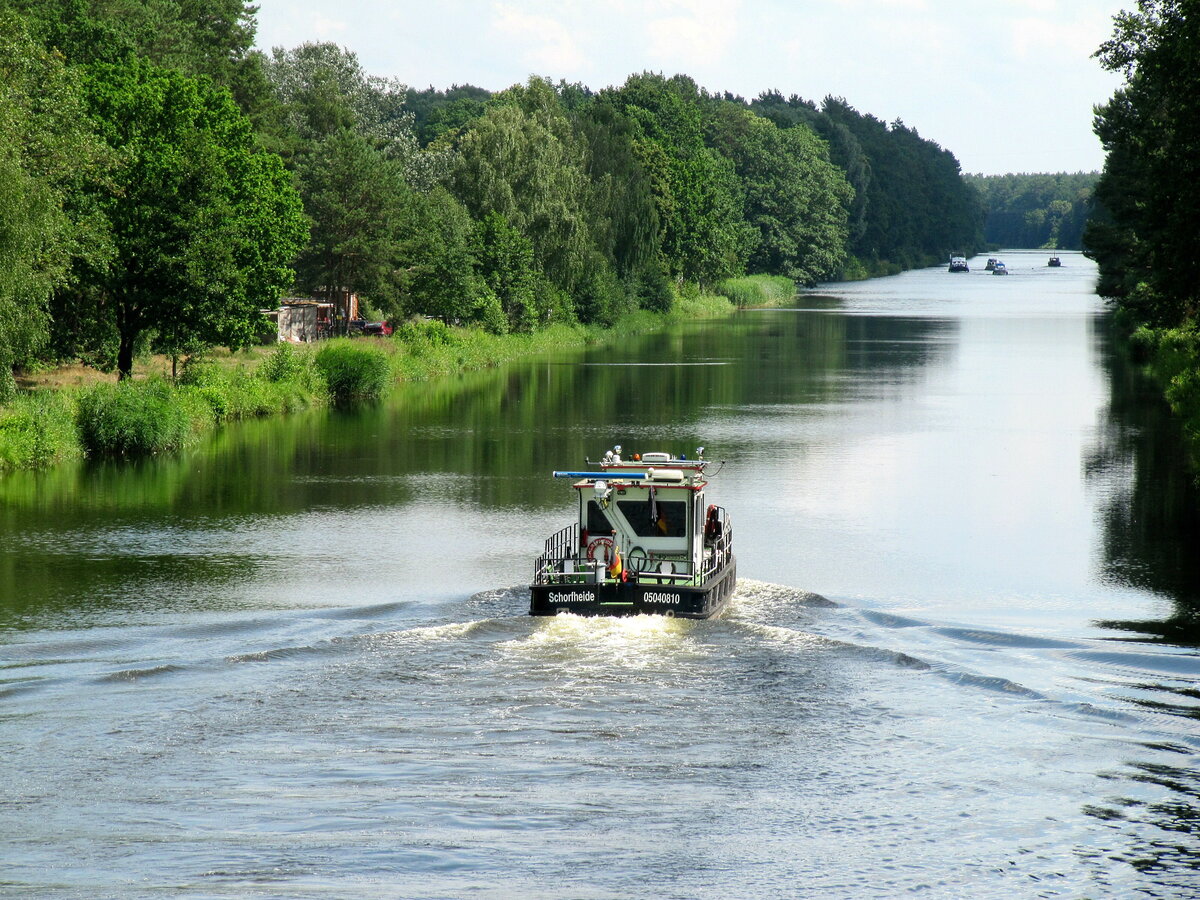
(382, 329)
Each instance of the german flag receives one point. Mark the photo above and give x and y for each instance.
(615, 568)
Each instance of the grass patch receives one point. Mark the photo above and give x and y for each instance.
(73, 411)
(758, 290)
(38, 430)
(136, 418)
(354, 371)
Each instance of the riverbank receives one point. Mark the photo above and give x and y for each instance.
(79, 413)
(1172, 358)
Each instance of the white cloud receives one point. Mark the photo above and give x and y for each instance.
(328, 29)
(692, 32)
(549, 47)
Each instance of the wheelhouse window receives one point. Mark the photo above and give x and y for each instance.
(597, 520)
(665, 518)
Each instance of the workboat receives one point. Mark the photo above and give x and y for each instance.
(959, 264)
(646, 541)
(1055, 262)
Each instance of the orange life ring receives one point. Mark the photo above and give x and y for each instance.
(601, 542)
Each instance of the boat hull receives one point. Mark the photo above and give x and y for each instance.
(643, 597)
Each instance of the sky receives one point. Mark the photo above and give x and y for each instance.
(1005, 86)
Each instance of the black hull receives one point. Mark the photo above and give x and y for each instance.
(636, 598)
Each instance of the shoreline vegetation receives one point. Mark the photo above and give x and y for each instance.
(1142, 233)
(55, 420)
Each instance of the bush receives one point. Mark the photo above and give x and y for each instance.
(353, 372)
(758, 290)
(284, 364)
(135, 419)
(37, 430)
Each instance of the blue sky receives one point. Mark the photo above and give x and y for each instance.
(1006, 86)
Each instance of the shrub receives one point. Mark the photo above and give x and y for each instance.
(37, 430)
(284, 364)
(758, 290)
(353, 372)
(135, 419)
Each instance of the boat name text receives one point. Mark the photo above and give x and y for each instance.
(573, 597)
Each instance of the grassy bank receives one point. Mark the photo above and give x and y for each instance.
(77, 413)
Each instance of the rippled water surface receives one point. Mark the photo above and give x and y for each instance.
(961, 661)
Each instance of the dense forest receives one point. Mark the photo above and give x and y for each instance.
(1147, 221)
(161, 182)
(1032, 210)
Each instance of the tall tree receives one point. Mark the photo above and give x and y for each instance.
(203, 227)
(622, 215)
(439, 263)
(358, 202)
(522, 160)
(703, 236)
(794, 196)
(1144, 238)
(47, 155)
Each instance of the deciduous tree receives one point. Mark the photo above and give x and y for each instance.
(47, 155)
(203, 227)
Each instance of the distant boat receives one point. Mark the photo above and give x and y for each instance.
(1055, 262)
(999, 268)
(959, 264)
(991, 264)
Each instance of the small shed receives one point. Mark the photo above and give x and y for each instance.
(304, 321)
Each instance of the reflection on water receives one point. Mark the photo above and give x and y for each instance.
(1152, 522)
(290, 664)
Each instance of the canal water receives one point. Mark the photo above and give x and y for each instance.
(961, 660)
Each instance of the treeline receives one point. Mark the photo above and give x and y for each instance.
(1147, 223)
(161, 182)
(1029, 210)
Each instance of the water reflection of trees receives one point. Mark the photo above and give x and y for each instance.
(1151, 515)
(486, 439)
(1158, 832)
(1151, 522)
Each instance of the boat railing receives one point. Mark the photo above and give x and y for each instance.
(564, 562)
(720, 545)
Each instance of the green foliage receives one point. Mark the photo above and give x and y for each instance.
(794, 196)
(358, 201)
(522, 161)
(325, 91)
(46, 154)
(131, 418)
(202, 226)
(1172, 358)
(1148, 211)
(37, 430)
(438, 115)
(623, 217)
(507, 266)
(845, 150)
(354, 372)
(697, 195)
(1048, 211)
(439, 250)
(918, 207)
(758, 290)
